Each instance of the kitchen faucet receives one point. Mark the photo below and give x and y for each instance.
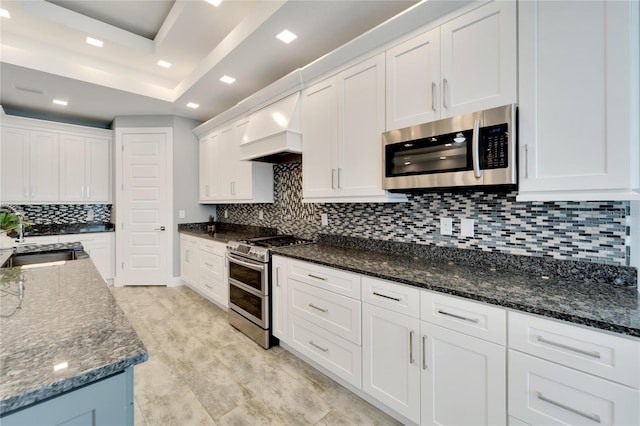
(19, 215)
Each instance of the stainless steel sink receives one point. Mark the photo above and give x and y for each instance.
(22, 259)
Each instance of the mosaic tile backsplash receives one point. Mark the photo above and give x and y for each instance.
(62, 214)
(582, 231)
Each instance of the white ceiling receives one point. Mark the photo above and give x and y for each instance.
(43, 49)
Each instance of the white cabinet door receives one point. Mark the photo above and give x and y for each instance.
(227, 162)
(209, 163)
(97, 170)
(478, 59)
(413, 81)
(72, 168)
(361, 121)
(578, 110)
(391, 359)
(463, 379)
(15, 165)
(319, 139)
(279, 300)
(189, 261)
(242, 184)
(44, 166)
(100, 248)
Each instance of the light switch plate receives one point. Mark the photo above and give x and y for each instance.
(467, 228)
(324, 219)
(260, 214)
(181, 214)
(226, 214)
(446, 226)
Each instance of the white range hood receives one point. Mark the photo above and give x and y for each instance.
(274, 133)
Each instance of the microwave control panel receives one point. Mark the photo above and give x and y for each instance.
(495, 147)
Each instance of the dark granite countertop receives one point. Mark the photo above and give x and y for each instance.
(219, 236)
(38, 230)
(596, 304)
(225, 232)
(67, 315)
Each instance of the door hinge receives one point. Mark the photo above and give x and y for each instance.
(122, 147)
(122, 265)
(122, 226)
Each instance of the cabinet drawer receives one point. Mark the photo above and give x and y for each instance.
(334, 353)
(341, 282)
(472, 318)
(395, 297)
(212, 247)
(611, 357)
(333, 312)
(213, 262)
(541, 392)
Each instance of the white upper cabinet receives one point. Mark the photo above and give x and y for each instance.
(29, 166)
(465, 65)
(578, 108)
(224, 178)
(413, 78)
(85, 169)
(342, 122)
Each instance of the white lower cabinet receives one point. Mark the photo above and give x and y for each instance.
(463, 379)
(279, 299)
(101, 249)
(203, 268)
(391, 359)
(541, 392)
(560, 373)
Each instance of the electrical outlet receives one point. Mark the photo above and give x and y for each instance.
(226, 214)
(181, 214)
(90, 214)
(260, 214)
(446, 226)
(324, 219)
(466, 228)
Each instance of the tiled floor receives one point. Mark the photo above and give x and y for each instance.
(201, 371)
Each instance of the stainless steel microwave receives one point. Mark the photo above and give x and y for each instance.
(471, 150)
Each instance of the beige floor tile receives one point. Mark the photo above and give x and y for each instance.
(138, 417)
(178, 408)
(202, 371)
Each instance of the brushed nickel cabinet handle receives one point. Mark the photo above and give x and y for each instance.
(311, 305)
(593, 354)
(424, 352)
(433, 95)
(318, 347)
(445, 89)
(333, 178)
(277, 276)
(593, 417)
(474, 320)
(386, 297)
(316, 277)
(411, 347)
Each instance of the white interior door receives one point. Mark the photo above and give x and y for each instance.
(143, 208)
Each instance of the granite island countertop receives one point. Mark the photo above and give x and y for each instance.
(601, 305)
(67, 318)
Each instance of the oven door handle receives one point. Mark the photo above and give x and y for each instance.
(248, 289)
(255, 266)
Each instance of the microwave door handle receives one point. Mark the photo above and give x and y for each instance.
(476, 149)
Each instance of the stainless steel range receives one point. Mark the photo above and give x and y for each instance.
(249, 266)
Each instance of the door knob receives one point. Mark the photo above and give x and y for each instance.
(162, 228)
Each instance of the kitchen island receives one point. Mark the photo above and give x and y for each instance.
(67, 350)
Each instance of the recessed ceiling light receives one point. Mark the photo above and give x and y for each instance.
(192, 105)
(227, 79)
(216, 3)
(60, 102)
(4, 13)
(94, 41)
(164, 64)
(286, 36)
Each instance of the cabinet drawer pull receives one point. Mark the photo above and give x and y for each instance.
(208, 264)
(593, 417)
(592, 354)
(311, 305)
(474, 320)
(318, 347)
(411, 347)
(386, 297)
(424, 352)
(317, 277)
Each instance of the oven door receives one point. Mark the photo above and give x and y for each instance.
(248, 289)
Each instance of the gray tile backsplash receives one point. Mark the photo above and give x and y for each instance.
(61, 214)
(583, 231)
